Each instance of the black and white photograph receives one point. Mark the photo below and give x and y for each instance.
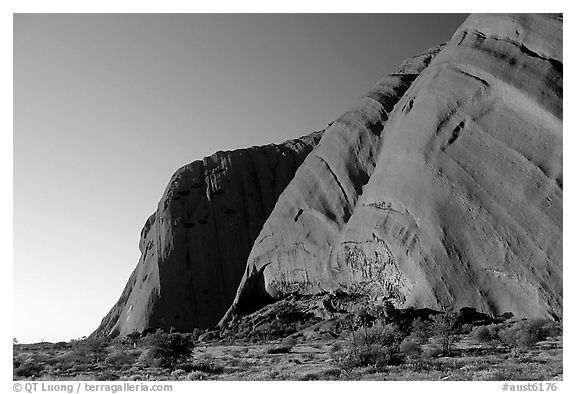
(305, 196)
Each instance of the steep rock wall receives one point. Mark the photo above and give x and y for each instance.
(451, 196)
(195, 246)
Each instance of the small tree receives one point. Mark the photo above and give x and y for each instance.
(444, 328)
(376, 345)
(169, 348)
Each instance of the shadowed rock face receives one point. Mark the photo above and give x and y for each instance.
(194, 247)
(440, 188)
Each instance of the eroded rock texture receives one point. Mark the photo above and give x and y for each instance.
(195, 246)
(441, 188)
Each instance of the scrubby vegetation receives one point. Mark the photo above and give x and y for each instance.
(430, 342)
(366, 345)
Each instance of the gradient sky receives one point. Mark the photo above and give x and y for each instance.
(108, 106)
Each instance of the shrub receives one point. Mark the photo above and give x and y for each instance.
(444, 328)
(431, 352)
(466, 328)
(94, 349)
(122, 357)
(106, 375)
(289, 341)
(482, 334)
(28, 369)
(17, 360)
(62, 345)
(376, 346)
(377, 334)
(132, 339)
(279, 349)
(552, 329)
(168, 348)
(410, 348)
(335, 348)
(420, 331)
(197, 375)
(177, 374)
(526, 333)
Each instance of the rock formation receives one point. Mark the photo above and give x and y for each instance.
(194, 247)
(440, 188)
(441, 192)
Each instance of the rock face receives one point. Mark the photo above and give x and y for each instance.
(441, 188)
(194, 247)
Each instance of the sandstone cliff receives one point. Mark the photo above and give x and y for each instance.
(439, 190)
(194, 247)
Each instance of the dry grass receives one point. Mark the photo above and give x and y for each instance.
(310, 360)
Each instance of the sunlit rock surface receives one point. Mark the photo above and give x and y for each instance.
(440, 190)
(194, 247)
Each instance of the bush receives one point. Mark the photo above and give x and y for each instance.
(482, 335)
(552, 329)
(28, 369)
(94, 349)
(420, 331)
(279, 349)
(431, 352)
(167, 349)
(377, 334)
(466, 328)
(289, 341)
(62, 346)
(378, 346)
(444, 328)
(122, 357)
(132, 339)
(525, 334)
(410, 348)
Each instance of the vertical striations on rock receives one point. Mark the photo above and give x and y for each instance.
(442, 189)
(292, 252)
(194, 247)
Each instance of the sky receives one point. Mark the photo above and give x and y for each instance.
(106, 107)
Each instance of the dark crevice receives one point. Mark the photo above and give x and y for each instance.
(556, 64)
(377, 128)
(298, 214)
(456, 133)
(254, 295)
(408, 106)
(559, 183)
